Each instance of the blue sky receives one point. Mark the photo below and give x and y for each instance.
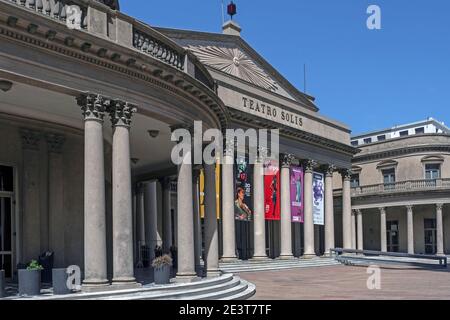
(368, 79)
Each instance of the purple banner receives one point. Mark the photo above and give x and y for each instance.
(297, 204)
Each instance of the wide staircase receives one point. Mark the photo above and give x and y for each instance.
(275, 264)
(225, 287)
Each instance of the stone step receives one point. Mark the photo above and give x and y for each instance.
(244, 295)
(271, 265)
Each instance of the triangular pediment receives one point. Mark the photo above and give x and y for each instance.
(232, 56)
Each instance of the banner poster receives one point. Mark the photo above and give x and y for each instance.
(318, 199)
(272, 190)
(243, 201)
(297, 204)
(202, 192)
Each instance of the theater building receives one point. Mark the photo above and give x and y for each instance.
(86, 118)
(401, 189)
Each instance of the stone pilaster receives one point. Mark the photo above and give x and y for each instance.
(309, 250)
(346, 209)
(360, 235)
(259, 222)
(410, 230)
(383, 231)
(440, 229)
(329, 210)
(197, 219)
(140, 222)
(211, 234)
(353, 229)
(123, 269)
(93, 107)
(167, 215)
(151, 217)
(286, 217)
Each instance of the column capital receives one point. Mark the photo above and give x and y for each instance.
(229, 148)
(93, 106)
(382, 210)
(310, 165)
(121, 113)
(357, 211)
(409, 208)
(330, 169)
(346, 174)
(55, 142)
(439, 206)
(286, 160)
(262, 154)
(30, 138)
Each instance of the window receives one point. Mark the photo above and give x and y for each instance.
(6, 179)
(389, 178)
(354, 180)
(368, 140)
(420, 130)
(381, 138)
(404, 133)
(355, 143)
(432, 171)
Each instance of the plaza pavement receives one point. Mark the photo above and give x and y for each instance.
(350, 283)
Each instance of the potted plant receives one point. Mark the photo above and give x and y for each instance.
(161, 269)
(30, 279)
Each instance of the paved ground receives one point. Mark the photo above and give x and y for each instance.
(350, 283)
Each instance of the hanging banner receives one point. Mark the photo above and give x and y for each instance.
(318, 199)
(243, 202)
(202, 192)
(297, 205)
(272, 190)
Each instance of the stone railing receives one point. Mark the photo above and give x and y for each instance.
(55, 9)
(403, 186)
(150, 42)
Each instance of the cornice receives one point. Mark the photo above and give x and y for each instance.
(401, 151)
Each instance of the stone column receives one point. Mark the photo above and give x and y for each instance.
(198, 239)
(440, 229)
(151, 217)
(185, 221)
(140, 215)
(309, 251)
(383, 232)
(167, 215)
(329, 210)
(123, 268)
(353, 229)
(95, 272)
(360, 241)
(286, 217)
(410, 221)
(228, 221)
(346, 209)
(258, 207)
(55, 197)
(211, 234)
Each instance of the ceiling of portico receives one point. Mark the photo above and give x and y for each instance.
(61, 109)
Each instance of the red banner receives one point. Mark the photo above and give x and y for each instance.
(272, 190)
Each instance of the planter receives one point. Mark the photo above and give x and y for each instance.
(29, 282)
(162, 275)
(60, 277)
(2, 283)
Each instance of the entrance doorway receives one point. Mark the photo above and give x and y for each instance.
(430, 236)
(392, 236)
(6, 220)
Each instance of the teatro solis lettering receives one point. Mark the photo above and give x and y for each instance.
(271, 111)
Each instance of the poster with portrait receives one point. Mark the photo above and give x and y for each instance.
(318, 199)
(243, 201)
(297, 205)
(272, 190)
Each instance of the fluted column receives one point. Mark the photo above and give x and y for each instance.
(123, 269)
(309, 219)
(329, 210)
(258, 207)
(167, 215)
(359, 218)
(286, 217)
(197, 220)
(185, 220)
(440, 229)
(211, 234)
(383, 232)
(410, 222)
(346, 210)
(353, 229)
(95, 272)
(228, 221)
